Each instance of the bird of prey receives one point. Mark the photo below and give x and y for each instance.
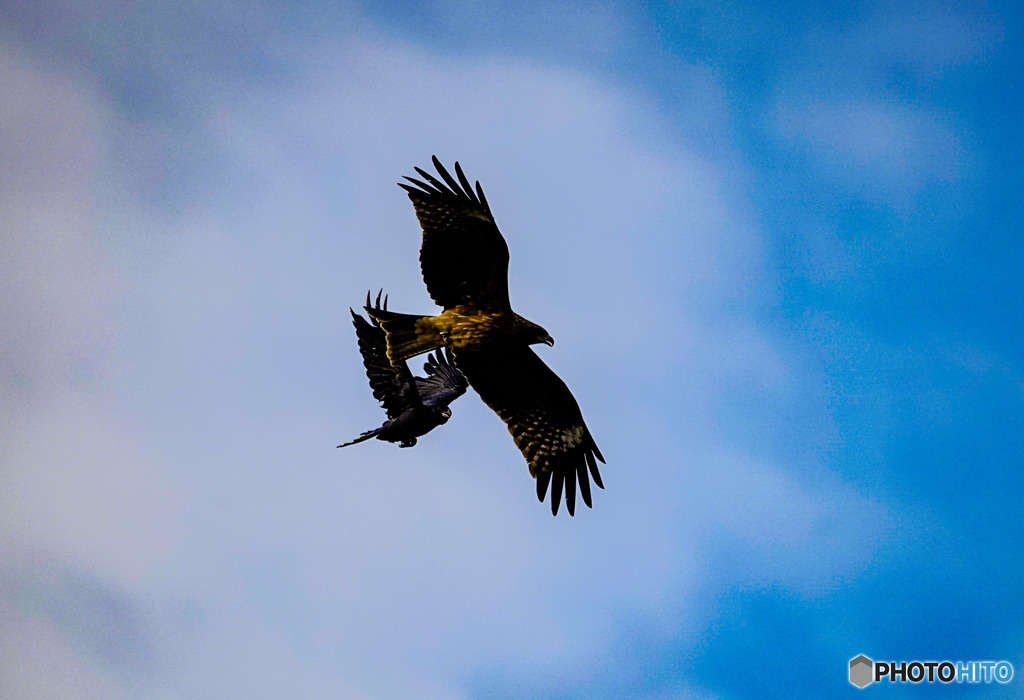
(415, 405)
(464, 261)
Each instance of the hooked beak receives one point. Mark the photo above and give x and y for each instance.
(549, 341)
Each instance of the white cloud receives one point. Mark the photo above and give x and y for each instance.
(38, 661)
(54, 282)
(928, 37)
(856, 103)
(882, 150)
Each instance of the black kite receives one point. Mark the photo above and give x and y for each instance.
(464, 261)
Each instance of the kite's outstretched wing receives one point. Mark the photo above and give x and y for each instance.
(443, 383)
(392, 385)
(541, 414)
(464, 258)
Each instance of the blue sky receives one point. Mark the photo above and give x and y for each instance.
(777, 245)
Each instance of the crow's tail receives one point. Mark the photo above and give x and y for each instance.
(365, 436)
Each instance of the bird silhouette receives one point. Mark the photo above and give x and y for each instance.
(414, 405)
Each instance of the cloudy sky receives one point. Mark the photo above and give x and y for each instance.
(778, 246)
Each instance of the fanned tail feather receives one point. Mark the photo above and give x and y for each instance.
(408, 335)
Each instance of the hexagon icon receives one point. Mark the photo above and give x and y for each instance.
(862, 671)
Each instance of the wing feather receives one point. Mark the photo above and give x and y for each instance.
(592, 463)
(392, 386)
(541, 414)
(428, 189)
(556, 493)
(463, 256)
(452, 184)
(466, 187)
(542, 485)
(443, 383)
(570, 489)
(581, 472)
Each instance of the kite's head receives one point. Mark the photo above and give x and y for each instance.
(532, 333)
(446, 413)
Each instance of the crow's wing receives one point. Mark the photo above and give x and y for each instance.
(392, 386)
(443, 383)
